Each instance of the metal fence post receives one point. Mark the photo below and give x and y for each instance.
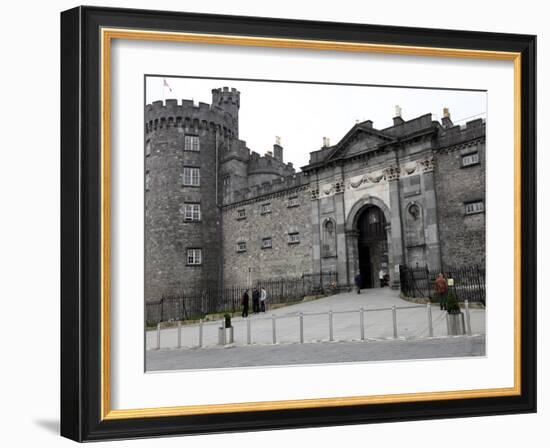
(301, 328)
(362, 323)
(330, 326)
(179, 333)
(200, 333)
(248, 331)
(430, 322)
(394, 315)
(468, 323)
(274, 328)
(158, 336)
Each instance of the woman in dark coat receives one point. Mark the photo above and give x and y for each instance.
(244, 303)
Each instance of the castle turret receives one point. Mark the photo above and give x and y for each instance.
(229, 100)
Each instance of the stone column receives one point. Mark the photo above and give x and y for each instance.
(431, 229)
(341, 243)
(352, 243)
(315, 230)
(392, 176)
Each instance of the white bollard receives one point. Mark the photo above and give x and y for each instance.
(468, 323)
(274, 328)
(330, 326)
(301, 328)
(394, 315)
(248, 331)
(158, 336)
(179, 333)
(362, 323)
(200, 333)
(430, 322)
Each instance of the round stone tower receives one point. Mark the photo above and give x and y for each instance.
(183, 193)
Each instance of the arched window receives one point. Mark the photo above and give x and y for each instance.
(329, 238)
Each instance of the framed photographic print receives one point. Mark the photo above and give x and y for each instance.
(272, 223)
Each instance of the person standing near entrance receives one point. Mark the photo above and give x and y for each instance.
(441, 290)
(357, 280)
(255, 301)
(263, 298)
(382, 277)
(244, 303)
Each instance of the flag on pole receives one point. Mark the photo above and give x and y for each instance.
(167, 85)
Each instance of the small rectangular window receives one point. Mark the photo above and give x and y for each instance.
(192, 143)
(293, 201)
(191, 176)
(474, 207)
(241, 246)
(470, 159)
(241, 213)
(191, 212)
(293, 238)
(266, 208)
(147, 180)
(267, 243)
(194, 256)
(226, 180)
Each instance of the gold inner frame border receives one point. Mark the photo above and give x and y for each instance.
(107, 35)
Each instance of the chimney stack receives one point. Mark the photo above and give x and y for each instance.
(326, 142)
(446, 120)
(397, 120)
(278, 149)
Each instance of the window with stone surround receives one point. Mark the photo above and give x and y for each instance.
(241, 213)
(329, 239)
(470, 159)
(294, 238)
(471, 208)
(265, 208)
(241, 246)
(191, 212)
(191, 176)
(194, 256)
(191, 143)
(293, 201)
(267, 243)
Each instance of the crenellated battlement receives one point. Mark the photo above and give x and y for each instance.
(459, 134)
(268, 164)
(226, 95)
(163, 115)
(282, 185)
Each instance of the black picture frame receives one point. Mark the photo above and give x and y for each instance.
(81, 380)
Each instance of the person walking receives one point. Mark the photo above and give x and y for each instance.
(255, 301)
(382, 277)
(244, 303)
(441, 290)
(357, 280)
(263, 298)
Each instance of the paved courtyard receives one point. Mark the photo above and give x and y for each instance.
(411, 320)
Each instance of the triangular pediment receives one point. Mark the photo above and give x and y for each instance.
(359, 139)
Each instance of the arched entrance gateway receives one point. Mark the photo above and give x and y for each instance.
(372, 245)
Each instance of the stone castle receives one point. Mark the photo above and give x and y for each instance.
(218, 214)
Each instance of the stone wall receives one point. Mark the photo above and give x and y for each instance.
(283, 259)
(462, 236)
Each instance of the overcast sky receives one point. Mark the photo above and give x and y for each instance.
(302, 114)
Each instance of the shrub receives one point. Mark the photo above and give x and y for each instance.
(452, 304)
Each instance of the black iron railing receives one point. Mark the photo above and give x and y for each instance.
(468, 282)
(196, 304)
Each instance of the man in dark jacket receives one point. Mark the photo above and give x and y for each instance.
(244, 303)
(357, 280)
(256, 300)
